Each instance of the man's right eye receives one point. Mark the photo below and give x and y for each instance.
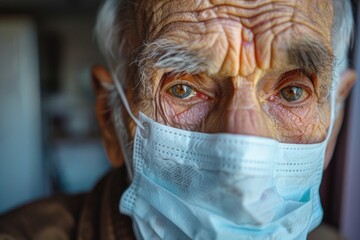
(182, 91)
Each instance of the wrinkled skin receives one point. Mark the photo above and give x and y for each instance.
(247, 45)
(253, 56)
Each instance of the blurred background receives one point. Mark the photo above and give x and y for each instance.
(49, 139)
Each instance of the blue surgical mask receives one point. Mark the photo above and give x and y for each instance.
(191, 185)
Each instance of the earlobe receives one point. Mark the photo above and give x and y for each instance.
(103, 83)
(347, 81)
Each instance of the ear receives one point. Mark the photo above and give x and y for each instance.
(101, 81)
(347, 80)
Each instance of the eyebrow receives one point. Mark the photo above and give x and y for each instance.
(311, 57)
(165, 54)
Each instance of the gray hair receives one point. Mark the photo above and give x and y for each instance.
(342, 33)
(114, 28)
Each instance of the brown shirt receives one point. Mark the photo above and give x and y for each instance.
(92, 216)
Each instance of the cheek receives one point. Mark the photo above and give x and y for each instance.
(193, 117)
(304, 124)
(189, 116)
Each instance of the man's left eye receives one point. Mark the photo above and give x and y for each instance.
(293, 94)
(182, 91)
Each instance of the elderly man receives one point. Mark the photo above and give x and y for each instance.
(224, 113)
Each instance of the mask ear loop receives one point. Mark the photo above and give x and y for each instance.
(126, 103)
(137, 122)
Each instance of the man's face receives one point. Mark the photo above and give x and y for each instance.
(260, 68)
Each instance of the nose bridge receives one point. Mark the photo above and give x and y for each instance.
(243, 113)
(244, 94)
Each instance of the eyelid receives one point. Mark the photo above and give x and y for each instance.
(301, 80)
(307, 87)
(294, 76)
(169, 85)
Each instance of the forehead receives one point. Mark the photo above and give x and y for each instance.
(238, 35)
(157, 13)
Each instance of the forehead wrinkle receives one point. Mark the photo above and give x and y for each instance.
(163, 11)
(195, 60)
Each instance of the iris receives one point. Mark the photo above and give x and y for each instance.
(182, 91)
(291, 93)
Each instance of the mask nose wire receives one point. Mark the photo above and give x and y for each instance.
(125, 102)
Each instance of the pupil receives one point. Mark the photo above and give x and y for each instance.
(180, 90)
